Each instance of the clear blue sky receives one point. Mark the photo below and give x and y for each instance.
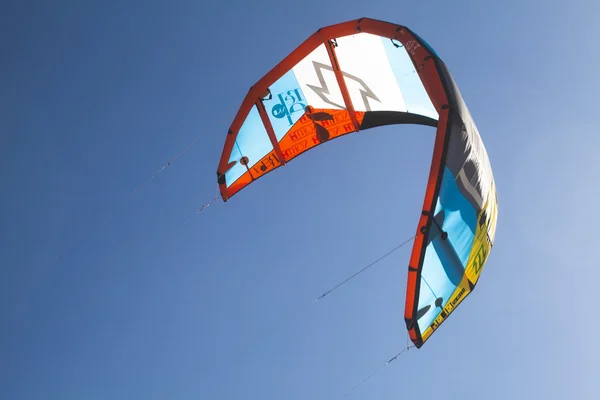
(103, 297)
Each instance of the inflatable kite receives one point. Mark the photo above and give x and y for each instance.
(359, 75)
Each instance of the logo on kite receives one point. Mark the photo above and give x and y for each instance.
(411, 46)
(322, 133)
(289, 103)
(322, 90)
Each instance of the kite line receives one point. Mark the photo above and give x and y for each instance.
(378, 370)
(108, 214)
(269, 330)
(364, 268)
(203, 206)
(165, 166)
(300, 307)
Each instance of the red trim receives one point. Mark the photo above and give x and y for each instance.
(342, 83)
(419, 246)
(435, 88)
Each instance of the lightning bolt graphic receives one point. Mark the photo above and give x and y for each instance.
(322, 90)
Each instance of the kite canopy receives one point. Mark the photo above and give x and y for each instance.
(359, 75)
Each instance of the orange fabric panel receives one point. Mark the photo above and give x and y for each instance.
(312, 129)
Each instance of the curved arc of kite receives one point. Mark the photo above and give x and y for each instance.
(320, 37)
(452, 115)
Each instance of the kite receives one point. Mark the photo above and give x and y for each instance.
(359, 75)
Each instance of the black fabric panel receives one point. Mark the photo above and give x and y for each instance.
(380, 118)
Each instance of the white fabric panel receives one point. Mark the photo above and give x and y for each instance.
(368, 74)
(317, 80)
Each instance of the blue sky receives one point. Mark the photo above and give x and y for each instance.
(107, 297)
